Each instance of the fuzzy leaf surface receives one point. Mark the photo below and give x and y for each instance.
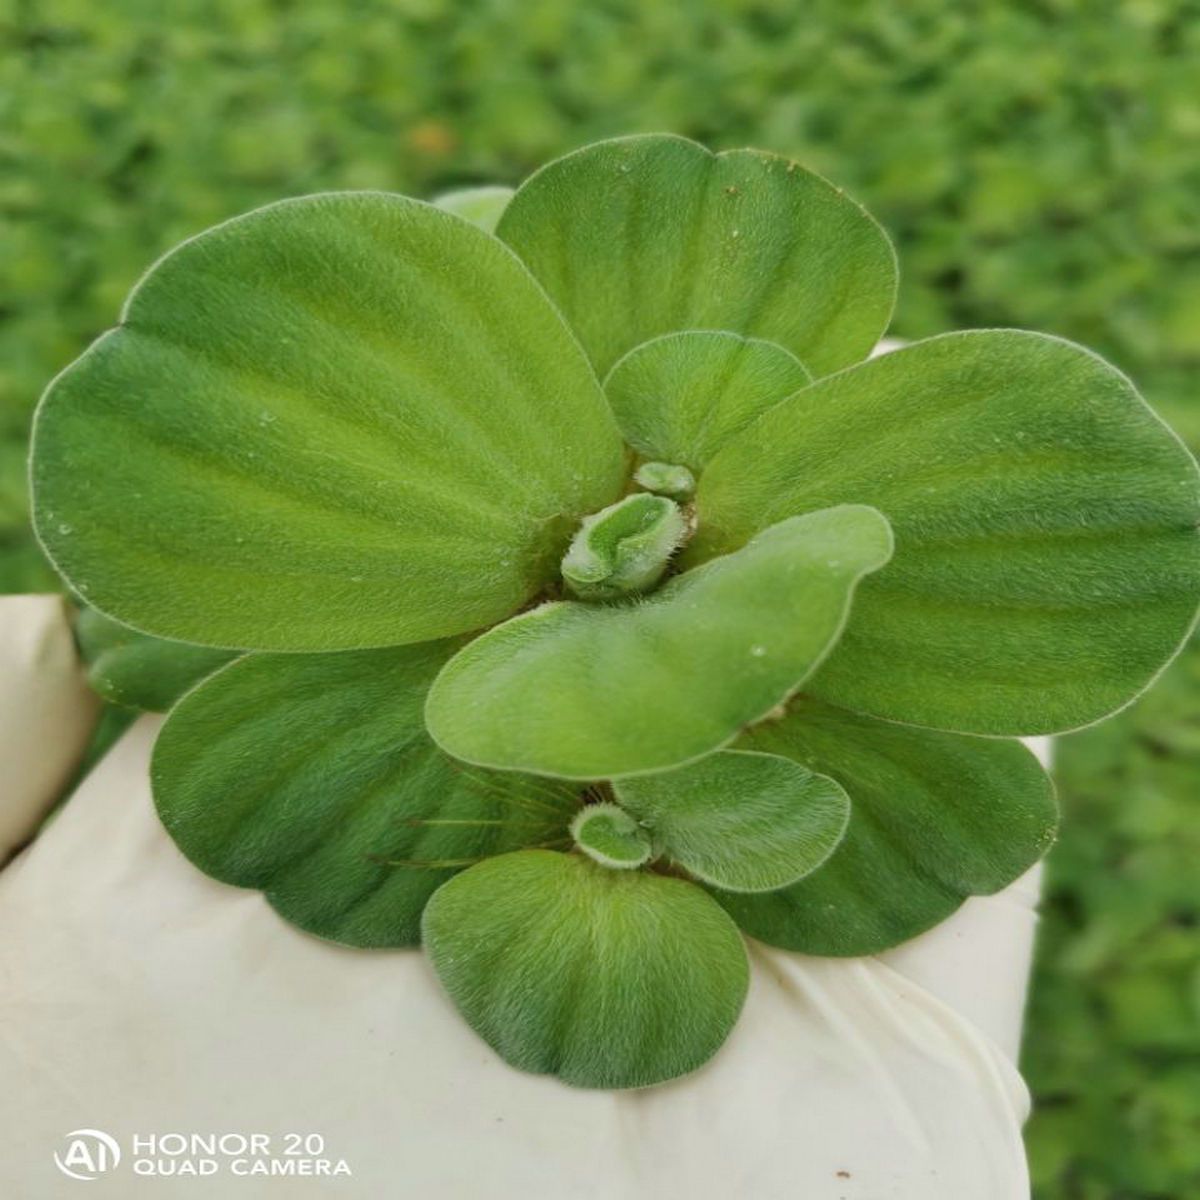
(341, 421)
(653, 234)
(611, 836)
(138, 671)
(741, 820)
(934, 818)
(682, 396)
(591, 691)
(606, 979)
(1047, 554)
(311, 778)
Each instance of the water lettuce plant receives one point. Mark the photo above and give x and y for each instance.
(589, 597)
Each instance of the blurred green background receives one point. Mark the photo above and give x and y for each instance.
(1037, 162)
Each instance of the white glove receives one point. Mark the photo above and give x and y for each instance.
(139, 998)
(46, 712)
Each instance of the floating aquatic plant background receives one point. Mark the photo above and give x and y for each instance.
(516, 690)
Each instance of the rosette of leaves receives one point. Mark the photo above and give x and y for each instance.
(594, 597)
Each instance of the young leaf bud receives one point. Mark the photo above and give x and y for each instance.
(625, 548)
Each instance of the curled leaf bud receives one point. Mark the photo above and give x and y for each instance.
(666, 479)
(610, 836)
(625, 548)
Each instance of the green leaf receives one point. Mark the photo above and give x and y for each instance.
(481, 206)
(138, 671)
(590, 691)
(665, 479)
(741, 820)
(1047, 558)
(653, 234)
(607, 979)
(337, 422)
(311, 777)
(682, 396)
(934, 818)
(610, 836)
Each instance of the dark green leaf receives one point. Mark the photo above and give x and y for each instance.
(934, 818)
(139, 671)
(607, 979)
(311, 777)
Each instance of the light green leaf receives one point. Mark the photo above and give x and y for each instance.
(653, 234)
(682, 396)
(590, 691)
(934, 818)
(138, 671)
(341, 421)
(610, 836)
(607, 979)
(665, 479)
(1047, 557)
(311, 777)
(481, 206)
(740, 820)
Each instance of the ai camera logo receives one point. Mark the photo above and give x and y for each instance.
(89, 1153)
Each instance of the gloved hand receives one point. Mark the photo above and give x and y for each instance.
(139, 998)
(46, 712)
